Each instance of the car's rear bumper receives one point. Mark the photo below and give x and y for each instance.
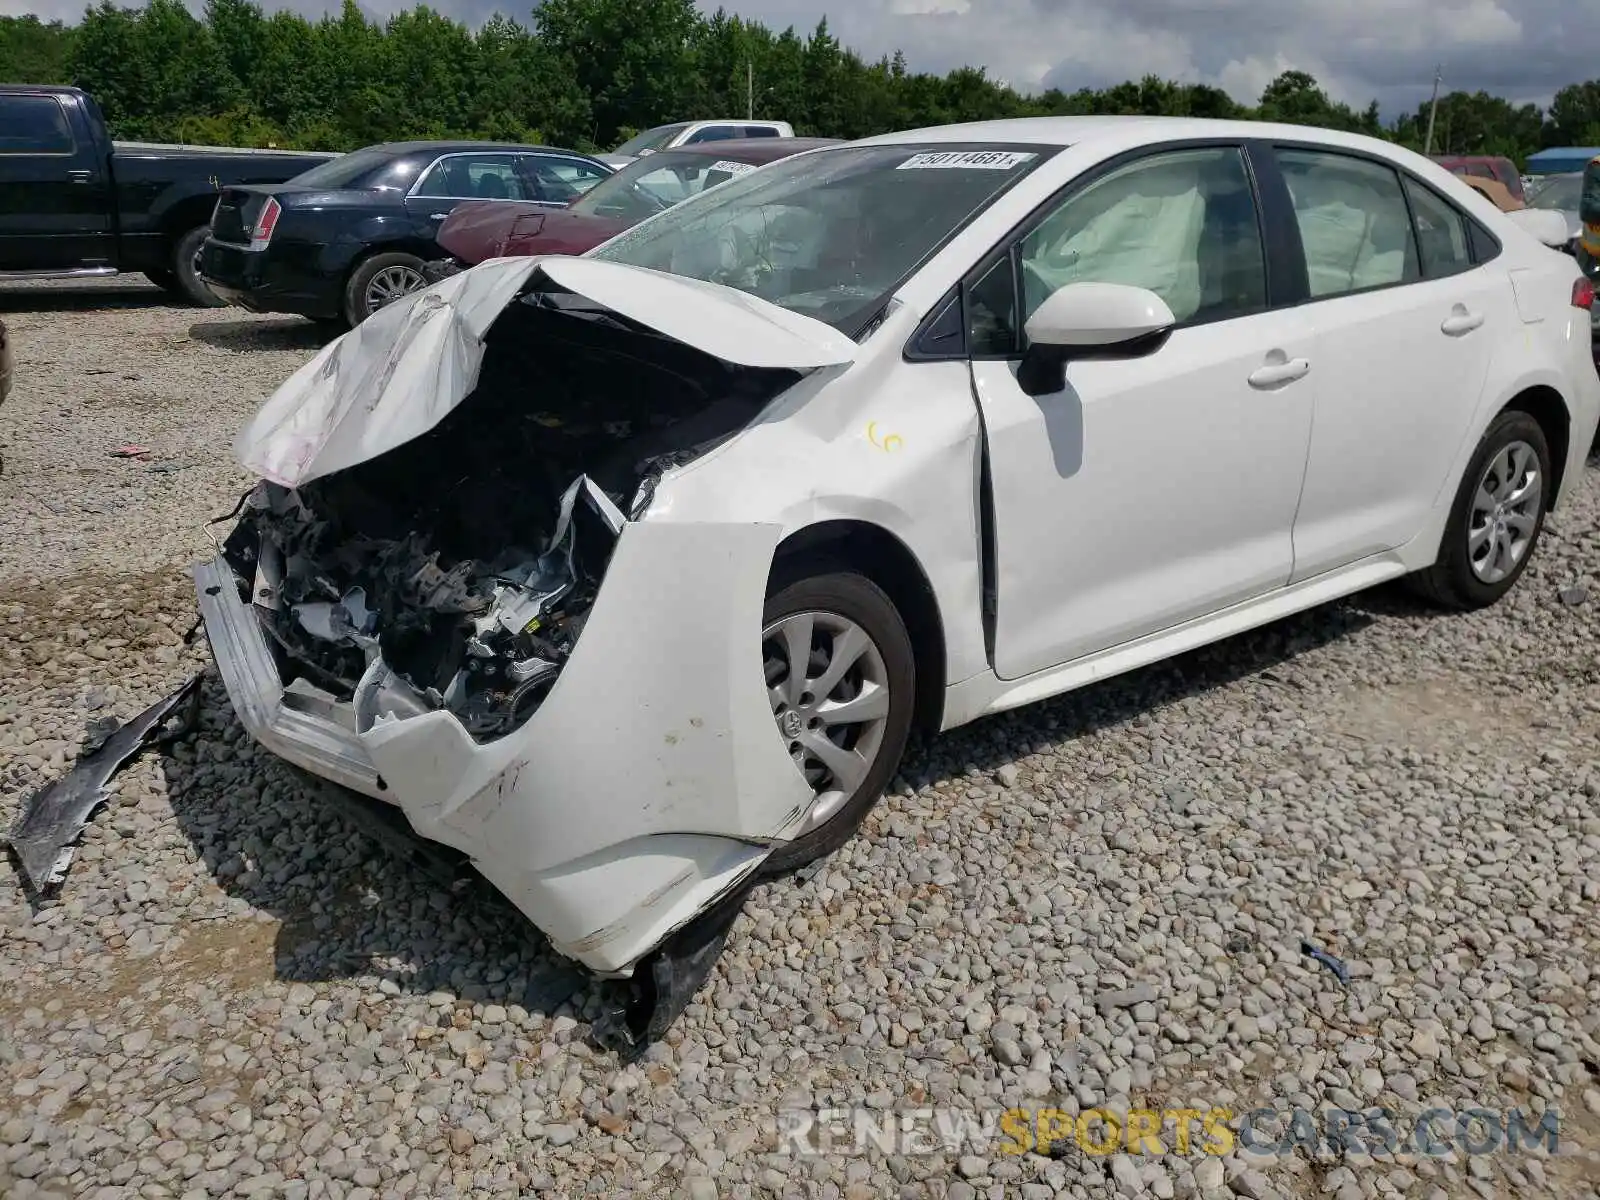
(647, 784)
(265, 281)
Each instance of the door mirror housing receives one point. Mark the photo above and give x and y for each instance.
(1090, 320)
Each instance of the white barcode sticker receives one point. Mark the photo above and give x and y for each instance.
(970, 160)
(732, 168)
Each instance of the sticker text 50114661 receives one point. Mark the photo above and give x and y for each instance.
(969, 160)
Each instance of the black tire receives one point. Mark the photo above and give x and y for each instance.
(1451, 581)
(856, 598)
(356, 306)
(186, 270)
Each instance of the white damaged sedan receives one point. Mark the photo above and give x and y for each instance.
(628, 576)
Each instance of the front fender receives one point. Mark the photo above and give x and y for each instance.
(649, 780)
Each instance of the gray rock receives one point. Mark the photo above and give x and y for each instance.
(1142, 993)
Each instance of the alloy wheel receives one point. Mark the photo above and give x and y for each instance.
(829, 690)
(1505, 512)
(389, 284)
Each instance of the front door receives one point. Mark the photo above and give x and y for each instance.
(55, 199)
(1152, 490)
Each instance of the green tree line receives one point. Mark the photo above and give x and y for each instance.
(589, 73)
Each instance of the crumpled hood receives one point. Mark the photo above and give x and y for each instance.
(399, 373)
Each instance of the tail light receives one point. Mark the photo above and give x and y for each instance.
(1583, 292)
(265, 224)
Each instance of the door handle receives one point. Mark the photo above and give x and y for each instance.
(80, 175)
(1276, 373)
(437, 216)
(1460, 321)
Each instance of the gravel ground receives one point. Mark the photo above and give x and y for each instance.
(1095, 901)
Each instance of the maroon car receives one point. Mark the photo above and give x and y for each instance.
(506, 228)
(1485, 166)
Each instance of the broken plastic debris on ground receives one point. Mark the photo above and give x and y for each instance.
(50, 820)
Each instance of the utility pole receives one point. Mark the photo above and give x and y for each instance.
(1433, 109)
(750, 89)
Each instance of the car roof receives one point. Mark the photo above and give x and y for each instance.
(1072, 131)
(754, 150)
(450, 147)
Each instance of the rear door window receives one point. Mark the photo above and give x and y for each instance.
(1353, 220)
(34, 125)
(1441, 233)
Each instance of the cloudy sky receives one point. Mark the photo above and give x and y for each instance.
(1358, 49)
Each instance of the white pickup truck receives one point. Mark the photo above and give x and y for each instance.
(692, 133)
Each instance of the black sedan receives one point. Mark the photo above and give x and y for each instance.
(343, 239)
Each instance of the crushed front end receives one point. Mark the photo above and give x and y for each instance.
(487, 622)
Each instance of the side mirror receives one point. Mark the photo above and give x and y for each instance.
(1546, 224)
(1090, 320)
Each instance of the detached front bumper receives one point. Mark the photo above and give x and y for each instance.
(648, 784)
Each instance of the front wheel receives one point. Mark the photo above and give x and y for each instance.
(1497, 516)
(380, 280)
(186, 269)
(841, 678)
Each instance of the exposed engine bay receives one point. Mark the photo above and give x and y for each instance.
(467, 558)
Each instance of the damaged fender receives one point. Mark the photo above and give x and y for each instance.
(648, 783)
(658, 728)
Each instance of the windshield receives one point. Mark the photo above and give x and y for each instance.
(346, 169)
(644, 188)
(832, 233)
(651, 139)
(1560, 192)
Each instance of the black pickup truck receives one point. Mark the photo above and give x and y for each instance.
(74, 203)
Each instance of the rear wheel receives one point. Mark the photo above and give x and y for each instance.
(186, 269)
(380, 280)
(841, 678)
(1497, 516)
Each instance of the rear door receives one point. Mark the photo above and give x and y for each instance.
(1405, 320)
(55, 196)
